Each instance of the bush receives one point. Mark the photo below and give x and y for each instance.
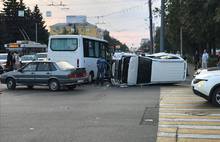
(212, 61)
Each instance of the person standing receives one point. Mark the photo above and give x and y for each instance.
(101, 67)
(9, 63)
(205, 58)
(16, 61)
(196, 60)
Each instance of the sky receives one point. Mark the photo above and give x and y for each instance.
(127, 20)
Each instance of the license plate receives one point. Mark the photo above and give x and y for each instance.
(80, 81)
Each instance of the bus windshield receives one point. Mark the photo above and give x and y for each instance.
(64, 44)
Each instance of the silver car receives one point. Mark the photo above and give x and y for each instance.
(53, 74)
(3, 60)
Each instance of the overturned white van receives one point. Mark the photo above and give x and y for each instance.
(150, 69)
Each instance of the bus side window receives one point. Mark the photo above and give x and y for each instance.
(102, 50)
(97, 50)
(86, 47)
(91, 48)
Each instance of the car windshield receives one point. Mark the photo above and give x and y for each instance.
(64, 65)
(3, 57)
(27, 58)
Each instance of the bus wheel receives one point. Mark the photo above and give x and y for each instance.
(91, 77)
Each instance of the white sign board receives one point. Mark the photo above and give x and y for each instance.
(21, 13)
(48, 14)
(76, 19)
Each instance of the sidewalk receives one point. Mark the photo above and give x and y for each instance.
(185, 117)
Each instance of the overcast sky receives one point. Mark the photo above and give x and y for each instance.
(127, 20)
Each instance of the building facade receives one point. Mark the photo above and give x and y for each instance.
(86, 29)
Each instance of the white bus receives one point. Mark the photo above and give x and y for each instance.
(80, 51)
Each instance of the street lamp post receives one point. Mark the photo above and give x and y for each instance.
(181, 35)
(162, 26)
(36, 36)
(151, 27)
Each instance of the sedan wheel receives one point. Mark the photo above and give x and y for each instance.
(216, 97)
(11, 84)
(54, 85)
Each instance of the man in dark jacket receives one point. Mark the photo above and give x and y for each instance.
(101, 67)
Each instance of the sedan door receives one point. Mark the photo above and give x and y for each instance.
(27, 74)
(43, 73)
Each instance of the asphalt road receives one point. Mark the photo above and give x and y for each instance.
(86, 114)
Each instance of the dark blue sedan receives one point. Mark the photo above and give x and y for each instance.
(53, 74)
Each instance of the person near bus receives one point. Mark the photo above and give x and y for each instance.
(205, 57)
(101, 67)
(16, 61)
(9, 63)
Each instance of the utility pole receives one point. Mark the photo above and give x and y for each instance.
(162, 26)
(36, 31)
(181, 35)
(151, 27)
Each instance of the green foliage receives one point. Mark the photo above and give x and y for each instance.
(15, 28)
(212, 61)
(114, 42)
(199, 20)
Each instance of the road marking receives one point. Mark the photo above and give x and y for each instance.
(185, 117)
(188, 114)
(186, 109)
(189, 117)
(189, 131)
(194, 136)
(189, 120)
(191, 127)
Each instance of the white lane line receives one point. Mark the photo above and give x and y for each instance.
(189, 120)
(180, 101)
(189, 114)
(193, 136)
(194, 104)
(191, 127)
(186, 109)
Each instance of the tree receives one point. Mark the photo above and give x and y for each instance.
(11, 8)
(199, 20)
(114, 42)
(40, 23)
(23, 28)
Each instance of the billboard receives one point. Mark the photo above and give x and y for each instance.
(76, 19)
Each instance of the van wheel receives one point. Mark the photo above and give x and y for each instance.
(54, 85)
(91, 78)
(11, 84)
(216, 97)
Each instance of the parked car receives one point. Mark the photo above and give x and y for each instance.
(41, 56)
(3, 60)
(27, 59)
(53, 74)
(206, 84)
(150, 69)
